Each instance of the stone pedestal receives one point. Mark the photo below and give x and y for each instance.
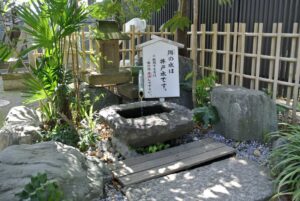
(244, 114)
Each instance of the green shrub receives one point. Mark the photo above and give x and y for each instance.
(40, 189)
(203, 89)
(64, 134)
(206, 115)
(285, 161)
(87, 138)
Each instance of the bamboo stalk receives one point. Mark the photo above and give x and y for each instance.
(277, 61)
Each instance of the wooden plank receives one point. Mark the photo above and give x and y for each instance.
(159, 161)
(176, 166)
(277, 61)
(234, 53)
(254, 51)
(292, 65)
(258, 58)
(163, 153)
(227, 55)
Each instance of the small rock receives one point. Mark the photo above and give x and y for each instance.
(236, 144)
(195, 139)
(256, 153)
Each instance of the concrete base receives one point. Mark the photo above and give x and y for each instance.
(14, 81)
(97, 79)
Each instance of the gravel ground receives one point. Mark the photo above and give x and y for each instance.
(250, 150)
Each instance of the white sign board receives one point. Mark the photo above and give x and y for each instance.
(161, 70)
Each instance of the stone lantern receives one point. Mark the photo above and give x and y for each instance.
(108, 35)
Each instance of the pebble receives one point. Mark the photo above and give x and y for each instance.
(256, 153)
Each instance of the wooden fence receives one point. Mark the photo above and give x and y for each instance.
(256, 60)
(238, 60)
(129, 50)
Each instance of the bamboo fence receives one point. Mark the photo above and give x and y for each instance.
(228, 48)
(256, 60)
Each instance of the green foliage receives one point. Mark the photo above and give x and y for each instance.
(203, 89)
(49, 23)
(124, 10)
(207, 115)
(285, 161)
(204, 113)
(153, 148)
(41, 189)
(63, 133)
(87, 139)
(5, 52)
(178, 21)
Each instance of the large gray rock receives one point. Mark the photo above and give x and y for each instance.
(21, 115)
(21, 126)
(244, 114)
(145, 123)
(227, 180)
(79, 178)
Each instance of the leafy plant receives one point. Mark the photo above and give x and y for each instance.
(204, 86)
(63, 133)
(153, 148)
(50, 24)
(207, 115)
(122, 10)
(87, 139)
(285, 161)
(178, 21)
(41, 189)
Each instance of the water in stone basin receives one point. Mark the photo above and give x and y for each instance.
(143, 111)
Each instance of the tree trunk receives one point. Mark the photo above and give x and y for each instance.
(181, 35)
(194, 48)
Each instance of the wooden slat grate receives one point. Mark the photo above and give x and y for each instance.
(143, 168)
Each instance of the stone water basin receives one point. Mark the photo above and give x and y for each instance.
(145, 123)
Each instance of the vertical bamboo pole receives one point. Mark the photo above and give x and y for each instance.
(132, 44)
(194, 58)
(234, 53)
(277, 60)
(214, 48)
(99, 65)
(238, 57)
(138, 41)
(254, 51)
(258, 55)
(292, 64)
(242, 60)
(166, 33)
(227, 53)
(272, 62)
(91, 50)
(124, 49)
(296, 87)
(83, 51)
(148, 34)
(202, 47)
